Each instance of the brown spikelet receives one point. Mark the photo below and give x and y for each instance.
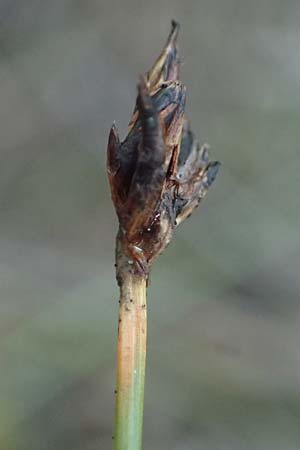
(159, 173)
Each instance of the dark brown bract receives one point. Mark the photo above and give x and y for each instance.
(159, 173)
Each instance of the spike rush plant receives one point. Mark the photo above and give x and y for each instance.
(158, 175)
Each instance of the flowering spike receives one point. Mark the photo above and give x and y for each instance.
(159, 173)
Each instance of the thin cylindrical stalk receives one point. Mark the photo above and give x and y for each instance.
(132, 330)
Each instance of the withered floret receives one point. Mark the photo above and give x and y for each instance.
(159, 173)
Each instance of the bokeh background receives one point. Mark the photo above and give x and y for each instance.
(224, 321)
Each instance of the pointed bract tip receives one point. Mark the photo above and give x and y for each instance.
(166, 67)
(172, 38)
(144, 101)
(113, 147)
(143, 85)
(113, 135)
(212, 171)
(175, 26)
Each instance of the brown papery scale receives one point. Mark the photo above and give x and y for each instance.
(159, 173)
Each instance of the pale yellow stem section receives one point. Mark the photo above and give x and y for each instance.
(132, 332)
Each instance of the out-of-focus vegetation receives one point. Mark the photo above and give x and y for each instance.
(224, 359)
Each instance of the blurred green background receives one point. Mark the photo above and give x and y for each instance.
(223, 367)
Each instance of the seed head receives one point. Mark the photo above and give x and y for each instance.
(159, 174)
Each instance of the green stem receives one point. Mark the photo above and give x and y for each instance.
(131, 362)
